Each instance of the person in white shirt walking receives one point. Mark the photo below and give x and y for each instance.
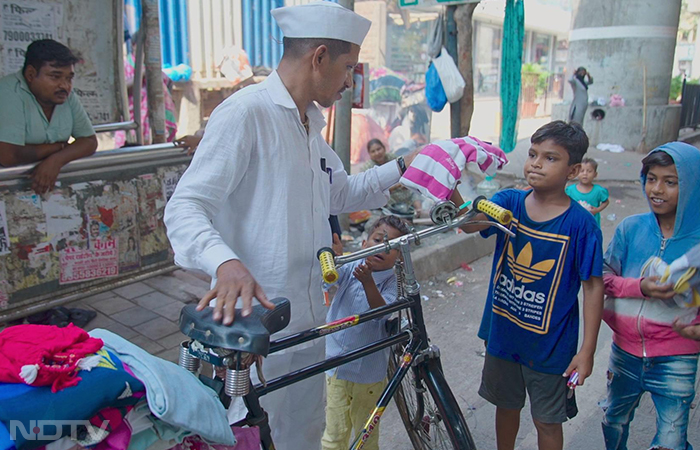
(252, 208)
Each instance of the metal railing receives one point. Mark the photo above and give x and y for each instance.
(109, 166)
(106, 161)
(690, 105)
(116, 126)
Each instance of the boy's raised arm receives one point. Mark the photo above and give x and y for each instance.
(364, 276)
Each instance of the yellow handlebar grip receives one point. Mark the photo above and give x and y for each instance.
(502, 215)
(330, 274)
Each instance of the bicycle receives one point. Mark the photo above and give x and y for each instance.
(426, 404)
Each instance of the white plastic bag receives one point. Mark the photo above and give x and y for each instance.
(451, 79)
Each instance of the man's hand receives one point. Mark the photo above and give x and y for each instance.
(363, 273)
(44, 175)
(583, 364)
(337, 245)
(233, 281)
(189, 143)
(651, 289)
(691, 331)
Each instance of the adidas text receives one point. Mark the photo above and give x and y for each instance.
(520, 292)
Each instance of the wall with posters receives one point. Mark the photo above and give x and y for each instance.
(96, 227)
(89, 28)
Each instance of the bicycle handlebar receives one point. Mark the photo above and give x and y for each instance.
(502, 215)
(328, 270)
(329, 263)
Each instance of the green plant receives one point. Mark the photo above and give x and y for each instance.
(534, 80)
(677, 86)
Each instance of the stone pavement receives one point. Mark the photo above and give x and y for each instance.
(146, 312)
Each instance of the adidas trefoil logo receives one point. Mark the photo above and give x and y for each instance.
(522, 266)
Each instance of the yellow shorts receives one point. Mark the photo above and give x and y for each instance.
(348, 406)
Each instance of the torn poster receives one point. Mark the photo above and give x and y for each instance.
(63, 219)
(170, 180)
(4, 234)
(129, 250)
(23, 22)
(101, 261)
(4, 298)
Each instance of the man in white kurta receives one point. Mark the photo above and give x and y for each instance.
(256, 196)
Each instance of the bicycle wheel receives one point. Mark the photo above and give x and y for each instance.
(429, 410)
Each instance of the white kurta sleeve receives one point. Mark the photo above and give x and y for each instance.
(366, 190)
(217, 168)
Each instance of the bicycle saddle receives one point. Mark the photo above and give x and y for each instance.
(249, 334)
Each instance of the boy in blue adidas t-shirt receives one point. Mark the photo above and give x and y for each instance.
(530, 322)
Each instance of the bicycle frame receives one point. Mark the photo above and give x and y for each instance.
(416, 336)
(417, 342)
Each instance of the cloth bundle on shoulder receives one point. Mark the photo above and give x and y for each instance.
(438, 167)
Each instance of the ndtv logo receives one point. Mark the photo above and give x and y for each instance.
(51, 430)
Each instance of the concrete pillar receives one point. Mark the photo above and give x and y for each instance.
(616, 42)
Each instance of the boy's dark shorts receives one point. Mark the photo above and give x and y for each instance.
(504, 384)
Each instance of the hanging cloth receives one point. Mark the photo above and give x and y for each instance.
(437, 36)
(511, 63)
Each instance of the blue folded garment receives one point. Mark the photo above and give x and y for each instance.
(5, 442)
(174, 394)
(23, 406)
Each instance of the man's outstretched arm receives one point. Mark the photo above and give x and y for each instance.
(45, 173)
(16, 155)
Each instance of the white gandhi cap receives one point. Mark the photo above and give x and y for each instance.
(322, 20)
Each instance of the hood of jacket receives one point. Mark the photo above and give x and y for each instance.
(687, 160)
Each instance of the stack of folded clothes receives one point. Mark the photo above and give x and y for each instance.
(64, 388)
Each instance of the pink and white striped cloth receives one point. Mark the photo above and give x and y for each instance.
(438, 167)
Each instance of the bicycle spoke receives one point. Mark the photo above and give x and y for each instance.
(425, 425)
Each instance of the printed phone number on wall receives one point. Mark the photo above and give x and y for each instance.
(89, 274)
(25, 36)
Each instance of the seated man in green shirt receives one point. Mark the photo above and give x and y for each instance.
(39, 114)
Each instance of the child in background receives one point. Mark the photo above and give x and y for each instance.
(400, 195)
(352, 390)
(531, 317)
(648, 355)
(591, 196)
